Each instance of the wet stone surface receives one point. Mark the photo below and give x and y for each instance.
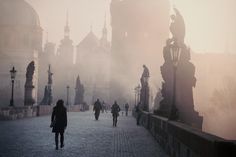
(84, 137)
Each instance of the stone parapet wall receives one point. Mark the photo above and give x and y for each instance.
(74, 108)
(13, 113)
(181, 140)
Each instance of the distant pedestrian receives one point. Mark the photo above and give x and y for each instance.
(138, 113)
(59, 122)
(115, 109)
(97, 108)
(126, 109)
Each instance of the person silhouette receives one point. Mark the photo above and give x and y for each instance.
(59, 122)
(115, 109)
(97, 108)
(126, 109)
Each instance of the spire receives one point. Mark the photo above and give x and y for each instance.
(104, 31)
(67, 28)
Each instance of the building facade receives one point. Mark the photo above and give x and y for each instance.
(20, 43)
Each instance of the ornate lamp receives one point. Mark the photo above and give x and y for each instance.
(175, 51)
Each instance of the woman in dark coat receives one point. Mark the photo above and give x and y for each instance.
(59, 122)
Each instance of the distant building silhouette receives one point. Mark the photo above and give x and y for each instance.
(20, 43)
(139, 30)
(93, 64)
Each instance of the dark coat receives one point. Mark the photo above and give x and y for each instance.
(60, 116)
(97, 106)
(115, 109)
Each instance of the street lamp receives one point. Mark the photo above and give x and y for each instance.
(175, 53)
(67, 97)
(13, 76)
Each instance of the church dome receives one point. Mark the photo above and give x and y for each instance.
(17, 13)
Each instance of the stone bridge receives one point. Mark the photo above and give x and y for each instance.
(85, 137)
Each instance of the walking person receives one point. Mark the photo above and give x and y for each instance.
(97, 108)
(126, 109)
(138, 113)
(59, 122)
(115, 109)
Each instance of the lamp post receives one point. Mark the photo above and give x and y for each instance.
(175, 53)
(67, 96)
(13, 76)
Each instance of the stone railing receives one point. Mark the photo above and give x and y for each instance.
(12, 113)
(180, 140)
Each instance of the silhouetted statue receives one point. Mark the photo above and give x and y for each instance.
(49, 75)
(144, 95)
(59, 122)
(167, 84)
(47, 98)
(115, 109)
(29, 98)
(183, 104)
(97, 108)
(79, 92)
(144, 75)
(177, 27)
(185, 81)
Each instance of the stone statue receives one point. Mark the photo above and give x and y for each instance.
(49, 75)
(29, 98)
(79, 92)
(177, 27)
(167, 84)
(145, 75)
(144, 94)
(47, 98)
(182, 102)
(185, 81)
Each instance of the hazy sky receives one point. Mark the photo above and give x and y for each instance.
(210, 24)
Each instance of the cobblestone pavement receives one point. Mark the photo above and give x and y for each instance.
(84, 137)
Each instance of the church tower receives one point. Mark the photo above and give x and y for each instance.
(66, 50)
(104, 43)
(64, 68)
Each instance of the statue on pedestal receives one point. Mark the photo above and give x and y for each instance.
(79, 92)
(144, 95)
(47, 98)
(184, 78)
(167, 84)
(29, 98)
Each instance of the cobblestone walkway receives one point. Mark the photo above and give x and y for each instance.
(84, 137)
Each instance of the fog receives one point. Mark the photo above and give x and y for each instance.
(210, 30)
(210, 27)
